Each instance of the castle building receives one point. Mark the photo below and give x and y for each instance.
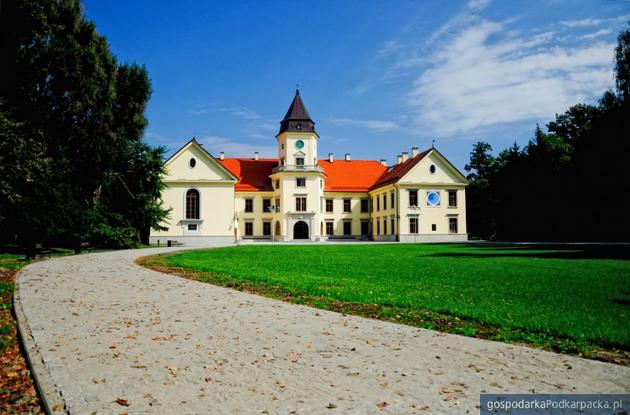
(298, 196)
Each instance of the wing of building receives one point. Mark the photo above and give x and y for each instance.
(297, 196)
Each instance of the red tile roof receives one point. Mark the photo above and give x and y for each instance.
(253, 175)
(351, 176)
(341, 175)
(399, 170)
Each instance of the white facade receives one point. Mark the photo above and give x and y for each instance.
(298, 196)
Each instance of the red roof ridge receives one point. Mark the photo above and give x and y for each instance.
(397, 171)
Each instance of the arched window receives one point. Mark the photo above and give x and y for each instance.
(192, 204)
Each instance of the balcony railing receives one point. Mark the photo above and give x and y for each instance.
(298, 168)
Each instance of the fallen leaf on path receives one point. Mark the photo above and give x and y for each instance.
(122, 402)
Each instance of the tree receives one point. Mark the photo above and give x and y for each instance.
(568, 181)
(480, 200)
(78, 115)
(622, 64)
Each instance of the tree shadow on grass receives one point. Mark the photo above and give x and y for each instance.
(543, 251)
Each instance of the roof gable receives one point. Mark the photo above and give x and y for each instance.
(410, 170)
(206, 167)
(398, 171)
(445, 172)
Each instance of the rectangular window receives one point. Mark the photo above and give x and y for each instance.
(384, 226)
(378, 203)
(365, 227)
(192, 227)
(277, 184)
(300, 181)
(413, 225)
(392, 198)
(266, 205)
(329, 205)
(413, 198)
(393, 227)
(452, 225)
(300, 204)
(299, 161)
(329, 228)
(365, 205)
(434, 227)
(267, 228)
(378, 227)
(347, 227)
(249, 228)
(249, 205)
(347, 208)
(385, 202)
(277, 205)
(452, 198)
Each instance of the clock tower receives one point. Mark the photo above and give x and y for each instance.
(298, 180)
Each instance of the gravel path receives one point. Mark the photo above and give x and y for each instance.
(114, 337)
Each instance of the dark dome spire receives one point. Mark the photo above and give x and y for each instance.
(297, 118)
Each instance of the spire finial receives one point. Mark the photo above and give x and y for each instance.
(297, 88)
(433, 143)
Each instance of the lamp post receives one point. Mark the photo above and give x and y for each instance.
(271, 209)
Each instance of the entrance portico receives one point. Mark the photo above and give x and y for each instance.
(301, 226)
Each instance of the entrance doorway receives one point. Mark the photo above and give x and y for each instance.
(300, 230)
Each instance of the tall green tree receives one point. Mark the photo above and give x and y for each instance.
(569, 182)
(65, 96)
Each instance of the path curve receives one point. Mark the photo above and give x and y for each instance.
(99, 328)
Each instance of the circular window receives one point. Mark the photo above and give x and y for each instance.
(192, 163)
(433, 198)
(432, 168)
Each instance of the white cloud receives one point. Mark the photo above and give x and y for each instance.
(388, 48)
(379, 126)
(590, 22)
(485, 75)
(478, 5)
(233, 148)
(599, 33)
(198, 109)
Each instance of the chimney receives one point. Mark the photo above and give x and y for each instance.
(405, 156)
(384, 162)
(414, 152)
(255, 155)
(347, 157)
(398, 159)
(330, 157)
(222, 156)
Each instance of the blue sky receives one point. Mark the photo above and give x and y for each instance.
(378, 77)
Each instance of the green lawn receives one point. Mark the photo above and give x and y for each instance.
(563, 298)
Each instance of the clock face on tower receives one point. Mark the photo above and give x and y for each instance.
(299, 144)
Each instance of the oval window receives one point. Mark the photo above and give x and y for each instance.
(192, 163)
(433, 198)
(432, 168)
